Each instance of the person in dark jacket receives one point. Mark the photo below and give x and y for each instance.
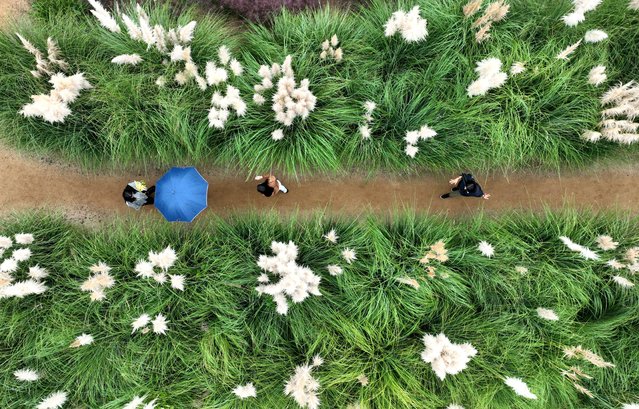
(136, 195)
(465, 185)
(271, 185)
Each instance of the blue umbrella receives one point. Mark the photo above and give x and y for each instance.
(180, 195)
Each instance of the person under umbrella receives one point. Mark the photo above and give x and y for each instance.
(271, 185)
(136, 195)
(465, 185)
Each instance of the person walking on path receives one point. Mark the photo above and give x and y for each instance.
(465, 185)
(136, 195)
(271, 185)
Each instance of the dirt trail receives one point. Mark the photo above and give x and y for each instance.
(28, 183)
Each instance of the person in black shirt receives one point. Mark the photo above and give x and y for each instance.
(271, 185)
(136, 195)
(465, 185)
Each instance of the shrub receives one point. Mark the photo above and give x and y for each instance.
(261, 10)
(368, 321)
(50, 9)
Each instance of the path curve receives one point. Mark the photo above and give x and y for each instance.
(35, 183)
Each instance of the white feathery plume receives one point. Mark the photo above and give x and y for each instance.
(21, 238)
(411, 150)
(490, 76)
(521, 270)
(520, 387)
(296, 281)
(144, 269)
(224, 55)
(334, 270)
(26, 375)
(140, 322)
(5, 242)
(632, 405)
(622, 281)
(606, 243)
(547, 314)
(9, 265)
(21, 289)
(164, 259)
(100, 267)
(579, 13)
(365, 131)
(185, 34)
(517, 68)
(595, 36)
(615, 265)
(349, 255)
(21, 254)
(159, 277)
(259, 99)
(277, 135)
(303, 387)
(563, 55)
(331, 236)
(104, 17)
(53, 401)
(160, 324)
(454, 406)
(82, 340)
(591, 136)
(177, 282)
(133, 29)
(37, 273)
(585, 252)
(150, 405)
(130, 59)
(597, 75)
(134, 403)
(5, 280)
(486, 249)
(410, 25)
(245, 391)
(236, 67)
(446, 357)
(633, 5)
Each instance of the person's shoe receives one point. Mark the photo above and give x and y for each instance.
(445, 196)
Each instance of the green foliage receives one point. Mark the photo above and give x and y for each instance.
(221, 333)
(52, 9)
(535, 119)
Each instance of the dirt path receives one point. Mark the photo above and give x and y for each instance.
(28, 183)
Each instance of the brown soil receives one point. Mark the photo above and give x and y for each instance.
(32, 183)
(10, 9)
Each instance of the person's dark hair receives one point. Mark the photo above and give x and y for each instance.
(471, 187)
(128, 196)
(261, 188)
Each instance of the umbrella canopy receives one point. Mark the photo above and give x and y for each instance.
(180, 194)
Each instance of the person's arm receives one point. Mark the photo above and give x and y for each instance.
(486, 196)
(455, 181)
(260, 177)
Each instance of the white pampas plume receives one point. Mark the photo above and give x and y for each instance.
(21, 289)
(53, 401)
(490, 76)
(144, 269)
(236, 67)
(365, 131)
(331, 236)
(520, 387)
(224, 55)
(134, 403)
(37, 273)
(177, 282)
(606, 243)
(574, 18)
(334, 270)
(446, 357)
(411, 150)
(259, 99)
(160, 324)
(134, 31)
(26, 375)
(140, 322)
(303, 387)
(277, 135)
(517, 68)
(595, 36)
(597, 75)
(21, 254)
(9, 265)
(591, 136)
(5, 242)
(104, 17)
(297, 282)
(21, 238)
(185, 34)
(622, 281)
(349, 255)
(633, 5)
(547, 314)
(411, 26)
(567, 51)
(82, 340)
(130, 59)
(632, 405)
(164, 259)
(150, 405)
(215, 75)
(486, 249)
(454, 406)
(245, 391)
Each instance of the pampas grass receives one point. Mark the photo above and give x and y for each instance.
(494, 12)
(245, 391)
(566, 52)
(26, 375)
(53, 401)
(520, 387)
(623, 102)
(597, 75)
(490, 76)
(303, 387)
(595, 36)
(410, 25)
(445, 357)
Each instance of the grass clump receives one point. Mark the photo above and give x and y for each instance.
(367, 321)
(535, 119)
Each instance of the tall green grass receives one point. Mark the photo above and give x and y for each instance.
(221, 333)
(534, 120)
